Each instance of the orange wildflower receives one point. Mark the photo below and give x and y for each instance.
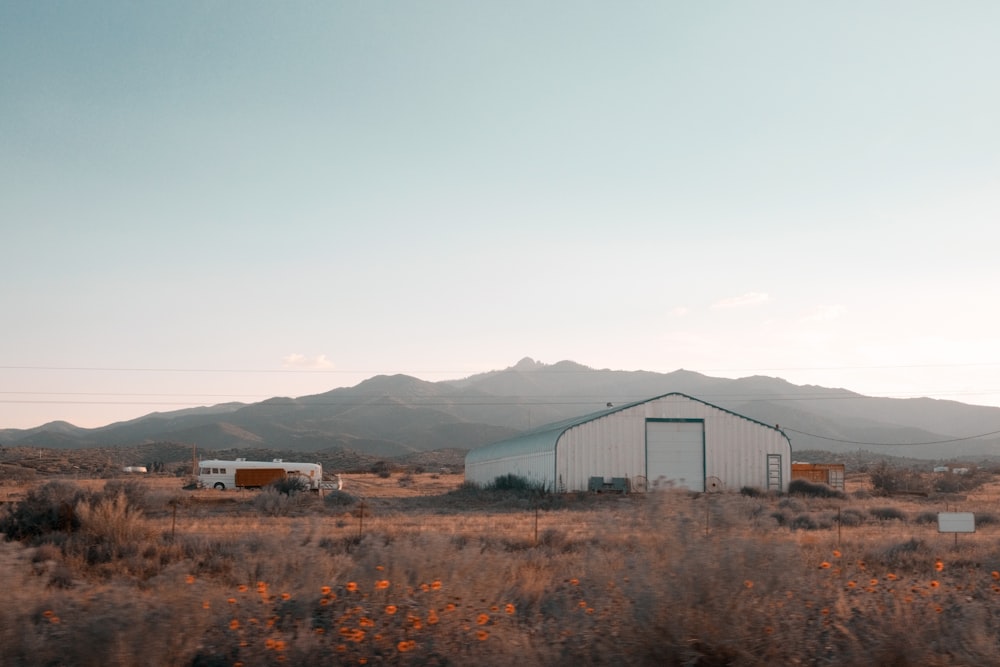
(574, 582)
(748, 583)
(242, 588)
(482, 619)
(482, 635)
(509, 608)
(825, 565)
(995, 574)
(406, 645)
(432, 617)
(938, 565)
(286, 596)
(234, 624)
(231, 600)
(435, 585)
(382, 584)
(390, 609)
(325, 590)
(836, 554)
(351, 586)
(935, 583)
(189, 579)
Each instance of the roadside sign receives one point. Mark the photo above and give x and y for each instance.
(956, 522)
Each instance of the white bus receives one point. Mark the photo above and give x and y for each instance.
(240, 473)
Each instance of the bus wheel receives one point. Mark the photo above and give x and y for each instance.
(220, 486)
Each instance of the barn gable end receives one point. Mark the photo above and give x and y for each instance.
(670, 441)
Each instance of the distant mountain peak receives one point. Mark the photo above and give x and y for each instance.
(528, 364)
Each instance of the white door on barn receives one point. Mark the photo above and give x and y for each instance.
(675, 454)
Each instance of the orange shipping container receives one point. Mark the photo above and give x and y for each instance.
(257, 477)
(831, 474)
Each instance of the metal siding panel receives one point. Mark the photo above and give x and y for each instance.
(614, 444)
(675, 454)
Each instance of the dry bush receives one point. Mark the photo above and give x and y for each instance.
(46, 509)
(887, 480)
(664, 579)
(803, 487)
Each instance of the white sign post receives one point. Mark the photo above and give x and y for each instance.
(956, 522)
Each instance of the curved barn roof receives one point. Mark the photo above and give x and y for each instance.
(544, 438)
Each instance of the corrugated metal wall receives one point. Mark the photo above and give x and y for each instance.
(614, 445)
(536, 467)
(736, 448)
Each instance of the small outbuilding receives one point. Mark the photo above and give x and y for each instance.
(670, 441)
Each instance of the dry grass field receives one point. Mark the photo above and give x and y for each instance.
(421, 570)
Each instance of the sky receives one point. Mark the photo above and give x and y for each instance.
(204, 202)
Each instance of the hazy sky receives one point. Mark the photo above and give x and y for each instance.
(212, 201)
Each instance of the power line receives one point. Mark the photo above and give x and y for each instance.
(549, 368)
(520, 399)
(579, 399)
(891, 444)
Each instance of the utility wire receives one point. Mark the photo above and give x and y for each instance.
(891, 444)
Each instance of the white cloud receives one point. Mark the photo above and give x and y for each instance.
(296, 360)
(743, 301)
(680, 311)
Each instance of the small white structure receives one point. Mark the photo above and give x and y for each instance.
(139, 469)
(670, 441)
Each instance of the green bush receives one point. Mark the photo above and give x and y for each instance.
(803, 487)
(517, 484)
(49, 508)
(339, 499)
(887, 480)
(289, 485)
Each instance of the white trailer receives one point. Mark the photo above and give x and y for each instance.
(220, 474)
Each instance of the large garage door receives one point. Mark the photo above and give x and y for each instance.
(675, 454)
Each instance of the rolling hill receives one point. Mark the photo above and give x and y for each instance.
(395, 416)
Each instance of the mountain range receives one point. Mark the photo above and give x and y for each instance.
(394, 416)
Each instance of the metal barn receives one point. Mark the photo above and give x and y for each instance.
(670, 441)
